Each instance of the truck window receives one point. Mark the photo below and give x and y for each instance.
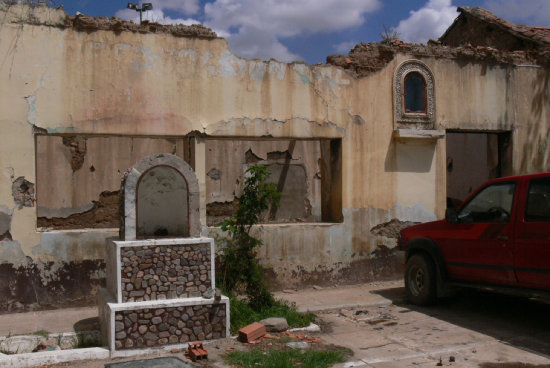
(538, 200)
(492, 204)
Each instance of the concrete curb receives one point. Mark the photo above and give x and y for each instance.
(61, 356)
(52, 357)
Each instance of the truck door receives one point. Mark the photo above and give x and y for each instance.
(532, 253)
(480, 247)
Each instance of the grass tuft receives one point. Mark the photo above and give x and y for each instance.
(242, 314)
(285, 358)
(42, 333)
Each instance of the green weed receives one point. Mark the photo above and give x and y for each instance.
(285, 358)
(243, 314)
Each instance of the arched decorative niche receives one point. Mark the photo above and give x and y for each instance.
(414, 97)
(162, 207)
(160, 198)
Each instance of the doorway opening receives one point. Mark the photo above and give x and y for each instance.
(473, 158)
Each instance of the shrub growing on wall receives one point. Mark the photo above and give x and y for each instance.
(240, 269)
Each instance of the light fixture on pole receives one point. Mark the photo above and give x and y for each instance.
(144, 7)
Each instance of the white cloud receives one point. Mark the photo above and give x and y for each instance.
(535, 12)
(183, 6)
(344, 47)
(428, 22)
(254, 28)
(155, 15)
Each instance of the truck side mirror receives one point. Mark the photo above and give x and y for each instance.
(451, 215)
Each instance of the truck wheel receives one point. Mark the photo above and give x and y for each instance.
(420, 280)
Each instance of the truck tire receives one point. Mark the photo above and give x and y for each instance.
(420, 280)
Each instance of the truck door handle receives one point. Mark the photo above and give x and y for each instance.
(502, 237)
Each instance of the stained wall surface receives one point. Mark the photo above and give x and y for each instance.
(71, 100)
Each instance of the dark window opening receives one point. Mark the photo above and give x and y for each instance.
(415, 93)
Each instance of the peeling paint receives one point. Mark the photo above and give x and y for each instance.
(31, 115)
(256, 70)
(277, 69)
(230, 64)
(11, 252)
(70, 246)
(34, 286)
(23, 192)
(206, 57)
(416, 213)
(77, 146)
(304, 78)
(63, 212)
(5, 220)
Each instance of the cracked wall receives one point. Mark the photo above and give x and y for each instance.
(79, 176)
(102, 100)
(294, 168)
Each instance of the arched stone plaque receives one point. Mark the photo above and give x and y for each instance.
(160, 198)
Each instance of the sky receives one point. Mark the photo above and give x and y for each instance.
(310, 30)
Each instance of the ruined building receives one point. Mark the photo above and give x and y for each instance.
(373, 140)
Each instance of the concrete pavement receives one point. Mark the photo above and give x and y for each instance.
(345, 296)
(53, 321)
(382, 329)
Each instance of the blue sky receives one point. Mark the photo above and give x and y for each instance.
(309, 30)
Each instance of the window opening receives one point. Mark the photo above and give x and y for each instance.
(538, 200)
(415, 93)
(491, 204)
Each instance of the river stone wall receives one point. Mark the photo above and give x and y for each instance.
(165, 272)
(173, 325)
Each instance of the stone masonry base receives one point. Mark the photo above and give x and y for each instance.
(159, 323)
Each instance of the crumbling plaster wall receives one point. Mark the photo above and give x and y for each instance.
(56, 80)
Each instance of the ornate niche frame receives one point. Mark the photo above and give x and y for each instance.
(413, 120)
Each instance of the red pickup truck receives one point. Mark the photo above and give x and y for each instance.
(498, 239)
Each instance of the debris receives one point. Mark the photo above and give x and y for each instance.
(275, 324)
(316, 287)
(251, 332)
(311, 328)
(303, 337)
(48, 345)
(298, 345)
(289, 291)
(21, 344)
(196, 351)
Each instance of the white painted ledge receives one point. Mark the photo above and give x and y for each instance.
(52, 357)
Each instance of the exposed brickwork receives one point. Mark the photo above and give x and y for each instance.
(162, 326)
(165, 272)
(527, 37)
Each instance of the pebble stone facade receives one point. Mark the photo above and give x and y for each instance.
(162, 326)
(165, 272)
(160, 291)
